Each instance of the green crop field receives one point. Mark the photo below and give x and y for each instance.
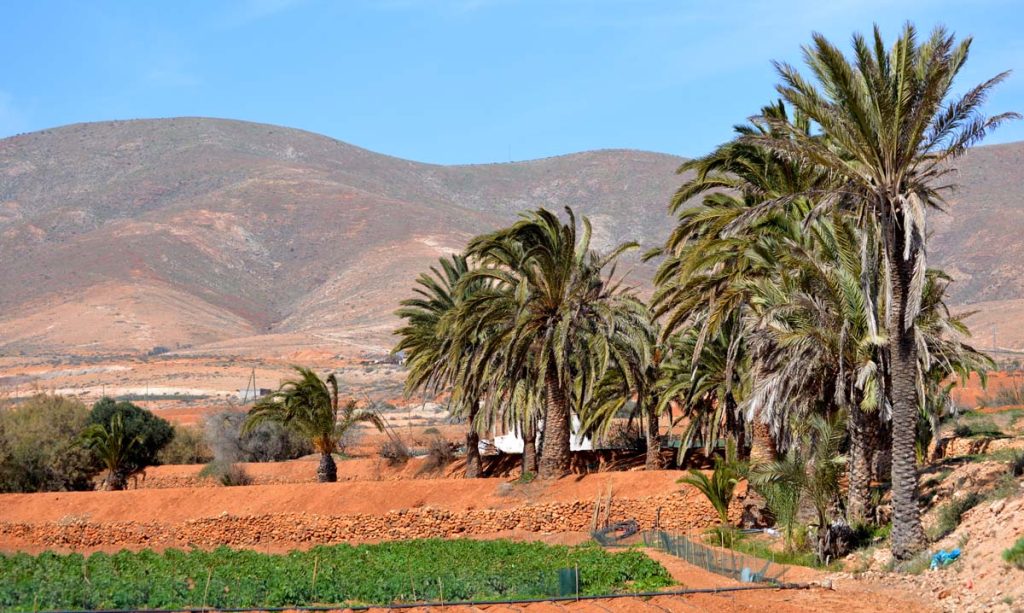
(424, 570)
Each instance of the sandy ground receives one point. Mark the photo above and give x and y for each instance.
(183, 379)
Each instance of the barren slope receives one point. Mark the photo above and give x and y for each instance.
(120, 236)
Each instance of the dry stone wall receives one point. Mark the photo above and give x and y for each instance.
(674, 512)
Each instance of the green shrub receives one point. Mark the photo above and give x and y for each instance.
(40, 448)
(799, 554)
(1017, 464)
(866, 534)
(1015, 555)
(951, 513)
(381, 574)
(153, 433)
(974, 425)
(527, 477)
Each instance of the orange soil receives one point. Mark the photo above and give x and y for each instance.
(972, 393)
(370, 497)
(848, 596)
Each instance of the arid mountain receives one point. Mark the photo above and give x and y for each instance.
(121, 236)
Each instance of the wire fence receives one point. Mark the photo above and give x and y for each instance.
(721, 561)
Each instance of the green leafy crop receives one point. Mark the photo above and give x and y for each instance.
(408, 571)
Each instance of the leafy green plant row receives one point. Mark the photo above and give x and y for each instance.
(409, 571)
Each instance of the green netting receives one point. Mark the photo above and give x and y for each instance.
(726, 562)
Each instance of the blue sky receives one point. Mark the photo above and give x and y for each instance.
(456, 81)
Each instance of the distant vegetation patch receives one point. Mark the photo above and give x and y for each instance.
(385, 573)
(977, 425)
(154, 397)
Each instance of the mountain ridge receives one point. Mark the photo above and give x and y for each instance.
(124, 235)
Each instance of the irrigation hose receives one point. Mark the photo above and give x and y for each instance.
(465, 603)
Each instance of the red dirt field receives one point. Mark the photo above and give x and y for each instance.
(972, 393)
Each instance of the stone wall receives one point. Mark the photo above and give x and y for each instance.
(676, 512)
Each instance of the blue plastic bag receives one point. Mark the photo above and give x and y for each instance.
(944, 558)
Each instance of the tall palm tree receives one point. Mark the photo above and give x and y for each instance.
(433, 360)
(114, 446)
(557, 315)
(310, 406)
(890, 125)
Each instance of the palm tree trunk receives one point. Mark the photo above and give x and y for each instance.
(116, 480)
(735, 425)
(762, 445)
(907, 533)
(529, 447)
(473, 464)
(556, 457)
(327, 472)
(653, 461)
(862, 442)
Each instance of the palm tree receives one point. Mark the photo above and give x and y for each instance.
(113, 445)
(809, 472)
(709, 391)
(889, 128)
(642, 387)
(310, 406)
(819, 351)
(433, 360)
(718, 487)
(557, 315)
(704, 280)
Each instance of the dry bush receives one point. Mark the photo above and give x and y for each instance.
(623, 435)
(349, 439)
(395, 451)
(188, 446)
(268, 442)
(440, 453)
(226, 473)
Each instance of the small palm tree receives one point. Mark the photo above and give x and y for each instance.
(112, 444)
(719, 487)
(809, 473)
(310, 406)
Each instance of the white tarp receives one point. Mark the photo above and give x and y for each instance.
(512, 442)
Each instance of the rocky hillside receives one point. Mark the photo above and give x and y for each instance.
(122, 236)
